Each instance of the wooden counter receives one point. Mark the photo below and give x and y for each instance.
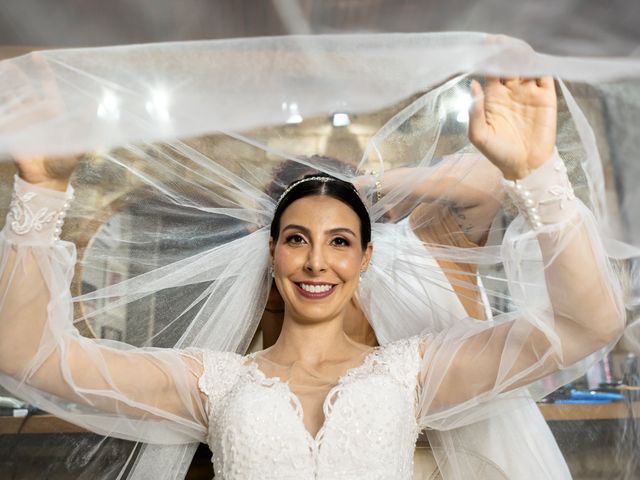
(37, 424)
(552, 413)
(606, 411)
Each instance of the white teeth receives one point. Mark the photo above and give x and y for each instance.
(315, 288)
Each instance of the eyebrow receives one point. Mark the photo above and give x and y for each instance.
(293, 226)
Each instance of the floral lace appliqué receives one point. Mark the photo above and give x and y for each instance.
(256, 428)
(27, 214)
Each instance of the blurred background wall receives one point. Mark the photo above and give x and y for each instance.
(580, 27)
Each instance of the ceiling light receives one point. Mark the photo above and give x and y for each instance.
(340, 119)
(293, 114)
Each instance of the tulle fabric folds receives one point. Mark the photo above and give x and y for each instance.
(190, 146)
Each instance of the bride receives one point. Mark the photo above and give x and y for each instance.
(266, 415)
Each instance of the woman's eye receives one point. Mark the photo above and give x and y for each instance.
(340, 242)
(295, 239)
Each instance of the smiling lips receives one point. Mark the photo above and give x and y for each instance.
(315, 291)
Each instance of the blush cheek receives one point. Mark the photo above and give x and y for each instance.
(288, 261)
(348, 267)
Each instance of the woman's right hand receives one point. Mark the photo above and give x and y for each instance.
(38, 101)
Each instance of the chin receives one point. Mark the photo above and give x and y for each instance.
(314, 313)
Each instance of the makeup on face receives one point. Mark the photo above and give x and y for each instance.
(315, 290)
(318, 257)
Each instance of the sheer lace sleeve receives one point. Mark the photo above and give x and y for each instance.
(567, 305)
(111, 388)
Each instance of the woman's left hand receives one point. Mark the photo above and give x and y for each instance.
(513, 123)
(37, 101)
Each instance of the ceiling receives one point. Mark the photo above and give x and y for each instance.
(581, 27)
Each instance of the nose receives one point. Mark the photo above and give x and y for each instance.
(316, 261)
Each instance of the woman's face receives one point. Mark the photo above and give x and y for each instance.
(318, 258)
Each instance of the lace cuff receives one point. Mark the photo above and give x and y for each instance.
(36, 214)
(545, 196)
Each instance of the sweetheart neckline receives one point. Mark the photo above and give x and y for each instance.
(315, 441)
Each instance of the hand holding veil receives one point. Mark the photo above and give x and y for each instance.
(232, 277)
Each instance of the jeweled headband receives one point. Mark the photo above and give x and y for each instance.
(309, 179)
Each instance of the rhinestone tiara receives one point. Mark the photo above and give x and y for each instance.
(308, 179)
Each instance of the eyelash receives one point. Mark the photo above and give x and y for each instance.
(341, 239)
(291, 238)
(297, 239)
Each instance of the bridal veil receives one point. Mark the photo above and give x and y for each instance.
(183, 141)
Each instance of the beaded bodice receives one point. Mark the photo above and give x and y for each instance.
(256, 428)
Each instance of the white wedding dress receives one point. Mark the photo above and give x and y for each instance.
(255, 414)
(256, 426)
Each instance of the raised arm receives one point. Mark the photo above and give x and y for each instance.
(567, 297)
(108, 387)
(448, 188)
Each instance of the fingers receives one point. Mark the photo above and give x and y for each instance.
(477, 119)
(497, 82)
(492, 83)
(511, 82)
(47, 79)
(17, 98)
(546, 82)
(515, 82)
(46, 75)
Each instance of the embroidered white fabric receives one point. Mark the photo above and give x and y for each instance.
(33, 211)
(256, 426)
(540, 194)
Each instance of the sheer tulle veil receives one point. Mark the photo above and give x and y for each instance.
(172, 211)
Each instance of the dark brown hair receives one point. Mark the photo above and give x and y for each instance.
(324, 185)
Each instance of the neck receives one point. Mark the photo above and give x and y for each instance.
(311, 343)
